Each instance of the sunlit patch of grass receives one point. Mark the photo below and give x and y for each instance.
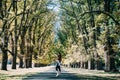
(3, 77)
(91, 77)
(87, 77)
(13, 77)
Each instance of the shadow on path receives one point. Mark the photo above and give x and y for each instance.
(63, 76)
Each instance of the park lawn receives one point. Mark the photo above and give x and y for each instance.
(13, 77)
(3, 77)
(96, 75)
(93, 77)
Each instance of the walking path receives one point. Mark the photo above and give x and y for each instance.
(48, 73)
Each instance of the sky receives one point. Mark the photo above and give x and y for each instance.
(54, 4)
(55, 7)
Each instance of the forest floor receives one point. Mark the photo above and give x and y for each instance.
(49, 73)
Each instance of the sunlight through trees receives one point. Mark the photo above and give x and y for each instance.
(85, 32)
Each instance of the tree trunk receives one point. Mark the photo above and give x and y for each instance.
(112, 66)
(4, 50)
(15, 36)
(99, 64)
(15, 52)
(22, 46)
(4, 60)
(30, 61)
(91, 64)
(1, 9)
(109, 61)
(21, 63)
(30, 44)
(86, 65)
(109, 57)
(14, 61)
(15, 55)
(93, 38)
(82, 64)
(27, 53)
(26, 63)
(30, 57)
(4, 47)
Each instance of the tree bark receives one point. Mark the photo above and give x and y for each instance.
(22, 35)
(15, 36)
(5, 28)
(22, 51)
(109, 61)
(91, 64)
(4, 60)
(21, 63)
(1, 9)
(4, 50)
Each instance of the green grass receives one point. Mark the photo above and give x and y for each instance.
(13, 77)
(88, 77)
(3, 77)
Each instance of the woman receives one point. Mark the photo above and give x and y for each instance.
(58, 68)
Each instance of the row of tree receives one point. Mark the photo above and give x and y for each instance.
(26, 31)
(92, 25)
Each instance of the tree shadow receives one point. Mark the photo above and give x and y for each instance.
(64, 76)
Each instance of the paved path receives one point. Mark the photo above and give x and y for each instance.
(67, 74)
(49, 73)
(51, 76)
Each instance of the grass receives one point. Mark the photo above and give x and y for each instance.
(14, 77)
(3, 77)
(88, 77)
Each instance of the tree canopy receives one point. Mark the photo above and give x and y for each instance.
(85, 31)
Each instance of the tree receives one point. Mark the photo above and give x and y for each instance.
(89, 17)
(30, 23)
(4, 16)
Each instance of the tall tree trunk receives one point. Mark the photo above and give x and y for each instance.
(30, 43)
(91, 64)
(21, 63)
(86, 65)
(4, 47)
(22, 33)
(15, 55)
(30, 57)
(109, 61)
(27, 53)
(100, 64)
(22, 46)
(15, 36)
(4, 60)
(4, 50)
(92, 21)
(1, 9)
